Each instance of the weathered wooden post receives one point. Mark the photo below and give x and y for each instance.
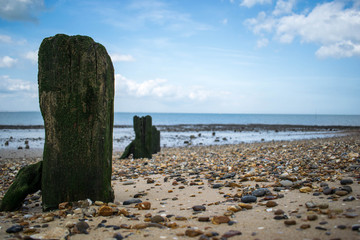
(147, 139)
(76, 91)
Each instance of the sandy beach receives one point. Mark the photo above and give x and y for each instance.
(306, 189)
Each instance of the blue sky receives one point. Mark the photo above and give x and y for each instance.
(203, 56)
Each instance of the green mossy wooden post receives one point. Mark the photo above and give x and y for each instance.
(76, 91)
(147, 139)
(27, 181)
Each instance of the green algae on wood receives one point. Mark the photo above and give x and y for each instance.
(27, 181)
(76, 91)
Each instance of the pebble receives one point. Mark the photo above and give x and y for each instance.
(286, 183)
(245, 205)
(193, 232)
(289, 222)
(143, 206)
(310, 204)
(355, 227)
(341, 192)
(198, 208)
(118, 236)
(220, 219)
(305, 226)
(312, 217)
(305, 189)
(128, 183)
(217, 185)
(279, 212)
(346, 181)
(231, 233)
(157, 219)
(105, 211)
(234, 208)
(320, 228)
(270, 204)
(204, 219)
(14, 229)
(132, 201)
(260, 192)
(349, 199)
(248, 199)
(351, 215)
(81, 227)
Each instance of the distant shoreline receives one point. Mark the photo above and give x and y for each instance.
(222, 127)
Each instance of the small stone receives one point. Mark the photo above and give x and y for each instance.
(204, 219)
(260, 192)
(128, 183)
(355, 227)
(105, 211)
(220, 219)
(193, 232)
(305, 189)
(289, 222)
(69, 224)
(157, 219)
(118, 236)
(312, 217)
(64, 205)
(150, 180)
(248, 199)
(349, 199)
(49, 219)
(99, 203)
(81, 227)
(180, 218)
(328, 191)
(197, 208)
(320, 228)
(245, 205)
(279, 212)
(234, 208)
(342, 227)
(323, 205)
(305, 226)
(346, 181)
(286, 183)
(351, 215)
(341, 192)
(280, 217)
(132, 201)
(230, 234)
(14, 229)
(143, 206)
(270, 204)
(310, 204)
(217, 185)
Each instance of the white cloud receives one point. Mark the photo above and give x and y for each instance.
(161, 88)
(332, 25)
(7, 61)
(339, 50)
(251, 3)
(284, 7)
(21, 10)
(5, 39)
(8, 85)
(122, 58)
(263, 42)
(32, 56)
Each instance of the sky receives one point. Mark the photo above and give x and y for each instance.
(197, 56)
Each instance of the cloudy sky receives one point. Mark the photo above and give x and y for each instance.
(206, 56)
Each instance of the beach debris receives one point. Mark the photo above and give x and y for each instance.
(147, 139)
(27, 181)
(77, 107)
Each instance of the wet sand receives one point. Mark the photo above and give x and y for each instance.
(300, 187)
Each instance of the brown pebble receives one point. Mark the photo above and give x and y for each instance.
(220, 219)
(180, 218)
(341, 193)
(157, 219)
(312, 217)
(271, 204)
(305, 226)
(193, 232)
(245, 205)
(105, 211)
(289, 222)
(230, 234)
(279, 212)
(204, 219)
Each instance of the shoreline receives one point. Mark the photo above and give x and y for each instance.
(222, 127)
(216, 177)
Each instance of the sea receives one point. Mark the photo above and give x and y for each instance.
(188, 132)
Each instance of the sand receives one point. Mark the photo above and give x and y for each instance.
(177, 179)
